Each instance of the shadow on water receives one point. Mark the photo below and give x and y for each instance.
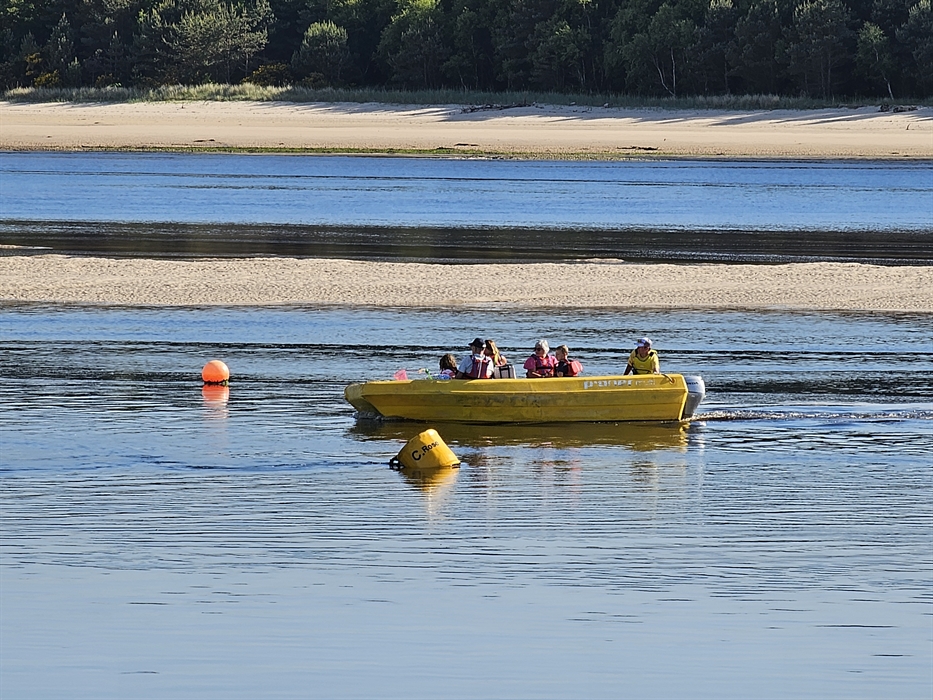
(640, 437)
(464, 244)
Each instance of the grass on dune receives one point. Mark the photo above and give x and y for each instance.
(259, 93)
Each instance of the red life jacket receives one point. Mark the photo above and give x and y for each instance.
(478, 370)
(569, 368)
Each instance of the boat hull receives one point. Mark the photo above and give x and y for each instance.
(650, 397)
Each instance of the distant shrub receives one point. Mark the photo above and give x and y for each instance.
(52, 79)
(314, 81)
(270, 75)
(106, 80)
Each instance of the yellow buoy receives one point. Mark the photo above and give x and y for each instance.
(215, 372)
(425, 451)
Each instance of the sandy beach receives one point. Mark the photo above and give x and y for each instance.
(527, 131)
(555, 131)
(275, 281)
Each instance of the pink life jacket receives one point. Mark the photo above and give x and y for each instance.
(544, 365)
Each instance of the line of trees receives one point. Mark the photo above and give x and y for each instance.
(815, 48)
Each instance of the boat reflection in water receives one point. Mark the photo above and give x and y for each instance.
(640, 437)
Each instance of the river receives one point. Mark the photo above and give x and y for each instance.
(162, 541)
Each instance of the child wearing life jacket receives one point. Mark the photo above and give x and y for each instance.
(566, 367)
(540, 364)
(448, 365)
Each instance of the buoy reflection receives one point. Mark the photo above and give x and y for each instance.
(436, 485)
(430, 479)
(215, 398)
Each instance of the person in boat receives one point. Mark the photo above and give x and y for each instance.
(566, 366)
(476, 365)
(540, 364)
(643, 359)
(448, 366)
(491, 351)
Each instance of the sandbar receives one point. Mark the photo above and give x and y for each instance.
(533, 131)
(528, 131)
(61, 279)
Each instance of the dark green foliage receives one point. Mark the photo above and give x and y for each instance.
(412, 45)
(270, 74)
(717, 48)
(819, 44)
(214, 41)
(324, 53)
(916, 39)
(874, 56)
(758, 48)
(823, 49)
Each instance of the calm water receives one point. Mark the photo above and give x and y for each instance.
(158, 541)
(438, 209)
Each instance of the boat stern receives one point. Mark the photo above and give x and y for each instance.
(696, 390)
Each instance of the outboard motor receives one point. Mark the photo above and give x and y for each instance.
(696, 390)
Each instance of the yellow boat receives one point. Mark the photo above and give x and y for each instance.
(645, 397)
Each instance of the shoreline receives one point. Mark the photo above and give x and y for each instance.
(537, 131)
(470, 155)
(833, 287)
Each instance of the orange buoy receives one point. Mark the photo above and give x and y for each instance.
(215, 372)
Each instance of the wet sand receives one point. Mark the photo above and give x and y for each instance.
(276, 281)
(528, 131)
(535, 131)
